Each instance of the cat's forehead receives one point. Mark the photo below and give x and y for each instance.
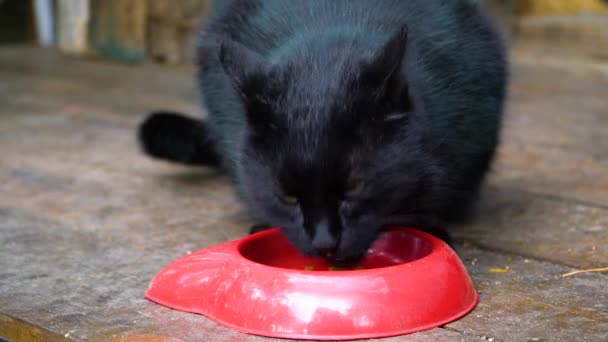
(316, 83)
(321, 148)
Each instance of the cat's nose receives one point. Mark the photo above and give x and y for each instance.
(327, 253)
(324, 247)
(323, 241)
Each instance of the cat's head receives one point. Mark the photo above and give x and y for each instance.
(333, 148)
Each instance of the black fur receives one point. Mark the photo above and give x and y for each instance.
(337, 118)
(178, 138)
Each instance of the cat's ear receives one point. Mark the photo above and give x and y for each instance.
(381, 73)
(250, 76)
(245, 68)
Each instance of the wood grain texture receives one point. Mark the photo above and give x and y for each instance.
(581, 35)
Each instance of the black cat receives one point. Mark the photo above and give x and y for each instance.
(336, 118)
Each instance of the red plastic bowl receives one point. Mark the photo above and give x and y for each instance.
(260, 285)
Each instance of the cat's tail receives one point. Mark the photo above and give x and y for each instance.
(178, 138)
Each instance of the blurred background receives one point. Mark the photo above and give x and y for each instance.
(162, 31)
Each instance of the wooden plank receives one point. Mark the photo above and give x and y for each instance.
(553, 139)
(13, 329)
(556, 230)
(555, 172)
(92, 84)
(582, 36)
(531, 302)
(575, 113)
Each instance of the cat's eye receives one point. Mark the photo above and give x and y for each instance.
(355, 190)
(289, 200)
(404, 117)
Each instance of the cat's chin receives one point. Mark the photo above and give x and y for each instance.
(332, 259)
(345, 262)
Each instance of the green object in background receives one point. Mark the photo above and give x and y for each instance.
(113, 49)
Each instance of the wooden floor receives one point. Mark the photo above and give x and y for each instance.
(86, 221)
